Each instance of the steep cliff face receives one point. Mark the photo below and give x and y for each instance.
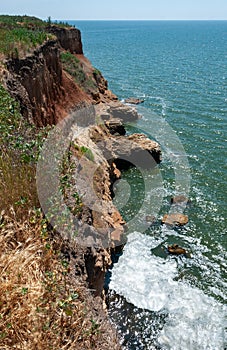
(69, 38)
(45, 88)
(45, 92)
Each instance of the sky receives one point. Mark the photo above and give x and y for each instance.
(118, 9)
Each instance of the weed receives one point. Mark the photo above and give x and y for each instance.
(83, 150)
(87, 152)
(24, 291)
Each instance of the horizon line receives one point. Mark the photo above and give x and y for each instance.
(131, 19)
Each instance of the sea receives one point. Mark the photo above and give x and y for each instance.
(179, 68)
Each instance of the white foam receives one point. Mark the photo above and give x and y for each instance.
(195, 321)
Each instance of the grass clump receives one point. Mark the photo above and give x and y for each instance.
(83, 150)
(16, 134)
(42, 305)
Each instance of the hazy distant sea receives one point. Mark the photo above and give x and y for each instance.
(180, 69)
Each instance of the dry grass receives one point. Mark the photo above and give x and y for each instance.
(42, 305)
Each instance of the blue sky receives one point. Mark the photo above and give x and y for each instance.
(118, 9)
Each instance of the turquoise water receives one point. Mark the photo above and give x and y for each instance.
(180, 70)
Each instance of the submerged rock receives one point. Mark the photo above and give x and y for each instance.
(180, 199)
(150, 218)
(175, 219)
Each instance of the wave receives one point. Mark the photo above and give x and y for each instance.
(195, 320)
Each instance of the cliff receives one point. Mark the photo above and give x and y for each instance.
(49, 83)
(42, 83)
(69, 38)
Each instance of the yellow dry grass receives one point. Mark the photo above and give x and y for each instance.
(42, 305)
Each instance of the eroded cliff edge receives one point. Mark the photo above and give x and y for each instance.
(56, 80)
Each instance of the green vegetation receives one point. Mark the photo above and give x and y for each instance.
(16, 134)
(20, 144)
(68, 186)
(17, 42)
(96, 72)
(10, 22)
(21, 34)
(87, 152)
(83, 150)
(73, 66)
(63, 24)
(7, 21)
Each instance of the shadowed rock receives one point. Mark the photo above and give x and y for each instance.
(115, 126)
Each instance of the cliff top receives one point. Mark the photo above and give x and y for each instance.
(21, 34)
(8, 21)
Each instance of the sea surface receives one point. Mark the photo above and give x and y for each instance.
(179, 68)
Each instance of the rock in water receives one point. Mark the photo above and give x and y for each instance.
(134, 101)
(180, 199)
(150, 218)
(176, 219)
(176, 250)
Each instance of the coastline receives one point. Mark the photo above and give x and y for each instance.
(48, 84)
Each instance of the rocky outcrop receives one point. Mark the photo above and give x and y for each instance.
(116, 109)
(136, 149)
(97, 85)
(175, 219)
(68, 37)
(175, 249)
(115, 126)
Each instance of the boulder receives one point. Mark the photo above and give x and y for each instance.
(115, 126)
(136, 149)
(125, 113)
(180, 199)
(134, 101)
(175, 219)
(176, 250)
(133, 150)
(116, 109)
